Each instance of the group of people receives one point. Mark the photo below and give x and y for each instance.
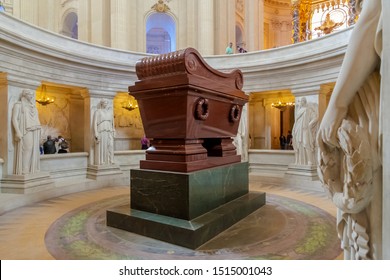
(286, 142)
(229, 49)
(54, 145)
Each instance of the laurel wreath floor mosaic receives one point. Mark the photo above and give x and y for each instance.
(282, 229)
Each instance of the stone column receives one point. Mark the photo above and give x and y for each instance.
(224, 25)
(48, 15)
(256, 122)
(191, 38)
(182, 25)
(385, 116)
(277, 29)
(285, 33)
(205, 27)
(260, 38)
(100, 30)
(299, 170)
(119, 24)
(84, 18)
(29, 11)
(268, 125)
(231, 24)
(253, 26)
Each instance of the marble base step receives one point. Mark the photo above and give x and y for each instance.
(186, 233)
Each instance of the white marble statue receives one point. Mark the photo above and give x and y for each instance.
(304, 132)
(240, 141)
(27, 134)
(103, 133)
(349, 140)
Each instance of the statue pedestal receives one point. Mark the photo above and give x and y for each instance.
(23, 184)
(186, 209)
(302, 172)
(97, 172)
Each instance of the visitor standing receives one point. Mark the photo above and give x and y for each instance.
(229, 49)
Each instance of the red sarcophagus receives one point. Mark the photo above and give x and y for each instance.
(189, 110)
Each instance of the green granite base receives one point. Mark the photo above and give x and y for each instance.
(187, 195)
(187, 233)
(186, 209)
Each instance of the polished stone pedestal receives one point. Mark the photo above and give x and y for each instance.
(186, 209)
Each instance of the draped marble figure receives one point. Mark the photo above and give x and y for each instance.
(27, 134)
(103, 133)
(304, 131)
(350, 166)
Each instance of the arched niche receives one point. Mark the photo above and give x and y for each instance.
(128, 124)
(65, 115)
(160, 33)
(70, 25)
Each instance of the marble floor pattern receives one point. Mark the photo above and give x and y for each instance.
(34, 231)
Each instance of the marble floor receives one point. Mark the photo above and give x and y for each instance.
(33, 231)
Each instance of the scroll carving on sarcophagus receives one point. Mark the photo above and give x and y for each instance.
(189, 110)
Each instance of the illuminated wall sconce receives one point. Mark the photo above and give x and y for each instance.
(44, 99)
(130, 104)
(282, 105)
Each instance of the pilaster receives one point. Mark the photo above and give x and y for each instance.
(222, 19)
(205, 27)
(84, 21)
(268, 125)
(253, 25)
(48, 15)
(100, 23)
(119, 24)
(276, 27)
(29, 11)
(260, 38)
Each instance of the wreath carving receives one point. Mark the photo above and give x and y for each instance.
(202, 109)
(234, 114)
